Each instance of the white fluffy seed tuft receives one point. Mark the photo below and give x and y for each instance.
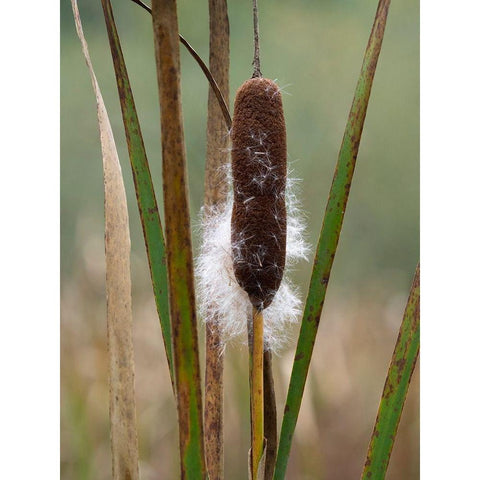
(222, 301)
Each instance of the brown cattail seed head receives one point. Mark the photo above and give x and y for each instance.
(259, 169)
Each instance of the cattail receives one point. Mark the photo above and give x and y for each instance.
(259, 170)
(221, 299)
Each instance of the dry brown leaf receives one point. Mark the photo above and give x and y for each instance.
(123, 430)
(216, 185)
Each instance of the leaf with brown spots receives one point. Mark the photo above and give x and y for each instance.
(329, 237)
(144, 189)
(178, 242)
(215, 194)
(396, 387)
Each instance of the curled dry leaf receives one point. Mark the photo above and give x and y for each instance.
(123, 431)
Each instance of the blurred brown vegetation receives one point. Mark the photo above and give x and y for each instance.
(355, 342)
(317, 47)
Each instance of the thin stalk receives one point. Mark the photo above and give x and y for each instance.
(329, 237)
(396, 386)
(215, 194)
(145, 192)
(256, 392)
(211, 79)
(178, 242)
(256, 43)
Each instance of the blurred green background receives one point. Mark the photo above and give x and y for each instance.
(316, 49)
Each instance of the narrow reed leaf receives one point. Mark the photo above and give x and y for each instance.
(178, 242)
(329, 236)
(147, 203)
(215, 194)
(396, 387)
(216, 181)
(123, 429)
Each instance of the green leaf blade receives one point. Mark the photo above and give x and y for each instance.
(396, 387)
(146, 200)
(329, 237)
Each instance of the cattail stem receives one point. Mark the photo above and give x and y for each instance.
(256, 391)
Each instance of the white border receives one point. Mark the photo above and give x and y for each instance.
(29, 351)
(450, 138)
(450, 239)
